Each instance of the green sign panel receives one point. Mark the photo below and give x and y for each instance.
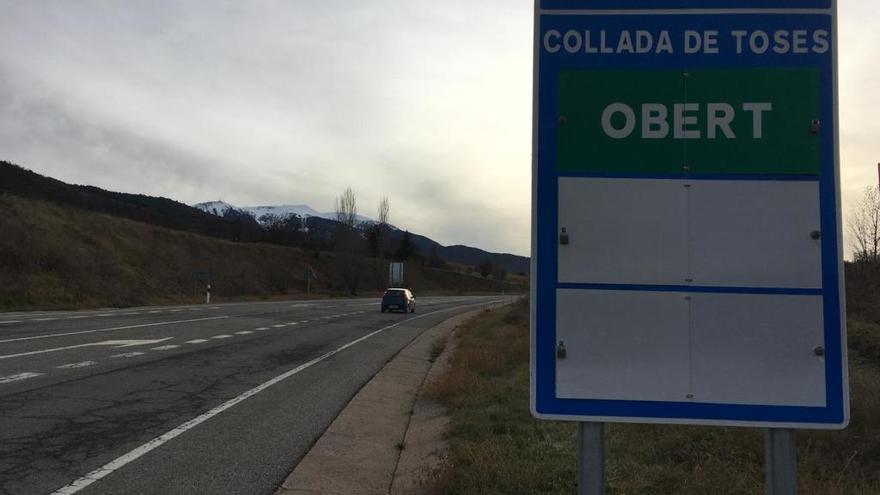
(745, 121)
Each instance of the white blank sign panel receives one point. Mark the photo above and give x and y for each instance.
(679, 232)
(690, 347)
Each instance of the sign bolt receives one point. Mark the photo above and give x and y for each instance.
(815, 235)
(560, 350)
(563, 236)
(819, 351)
(815, 125)
(562, 120)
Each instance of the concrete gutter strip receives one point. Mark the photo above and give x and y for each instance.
(368, 448)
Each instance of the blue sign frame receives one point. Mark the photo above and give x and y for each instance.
(682, 4)
(545, 403)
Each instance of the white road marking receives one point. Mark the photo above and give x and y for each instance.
(104, 315)
(20, 376)
(223, 336)
(262, 328)
(243, 332)
(144, 325)
(115, 343)
(153, 312)
(278, 325)
(196, 341)
(157, 442)
(81, 364)
(44, 319)
(292, 323)
(128, 354)
(76, 317)
(10, 321)
(165, 347)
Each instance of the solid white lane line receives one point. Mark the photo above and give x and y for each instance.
(20, 376)
(144, 325)
(128, 354)
(81, 364)
(243, 332)
(9, 322)
(165, 347)
(157, 442)
(196, 341)
(223, 336)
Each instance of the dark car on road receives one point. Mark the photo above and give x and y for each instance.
(399, 299)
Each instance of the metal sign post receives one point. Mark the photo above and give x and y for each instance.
(591, 458)
(780, 462)
(686, 234)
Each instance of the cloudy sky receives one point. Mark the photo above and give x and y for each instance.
(270, 102)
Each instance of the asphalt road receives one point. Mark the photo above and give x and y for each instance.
(197, 399)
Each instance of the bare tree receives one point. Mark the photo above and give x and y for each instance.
(864, 227)
(346, 208)
(350, 265)
(384, 211)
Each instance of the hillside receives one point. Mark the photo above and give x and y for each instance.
(304, 217)
(59, 257)
(288, 225)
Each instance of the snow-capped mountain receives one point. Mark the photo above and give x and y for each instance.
(268, 214)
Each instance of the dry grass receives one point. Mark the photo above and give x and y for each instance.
(496, 447)
(59, 258)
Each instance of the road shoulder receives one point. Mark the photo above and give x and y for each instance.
(384, 436)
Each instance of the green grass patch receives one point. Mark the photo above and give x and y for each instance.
(497, 447)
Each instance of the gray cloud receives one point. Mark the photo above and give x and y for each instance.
(271, 101)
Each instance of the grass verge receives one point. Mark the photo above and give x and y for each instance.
(496, 447)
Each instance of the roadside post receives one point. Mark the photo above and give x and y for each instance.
(206, 277)
(686, 231)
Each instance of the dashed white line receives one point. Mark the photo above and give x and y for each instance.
(292, 323)
(104, 315)
(165, 347)
(196, 341)
(127, 355)
(157, 442)
(243, 332)
(278, 325)
(44, 319)
(81, 364)
(20, 376)
(223, 336)
(262, 328)
(9, 322)
(46, 336)
(153, 312)
(76, 317)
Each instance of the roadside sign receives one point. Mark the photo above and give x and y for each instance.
(395, 274)
(686, 227)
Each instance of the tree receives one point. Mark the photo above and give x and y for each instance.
(485, 267)
(864, 227)
(350, 266)
(406, 249)
(384, 211)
